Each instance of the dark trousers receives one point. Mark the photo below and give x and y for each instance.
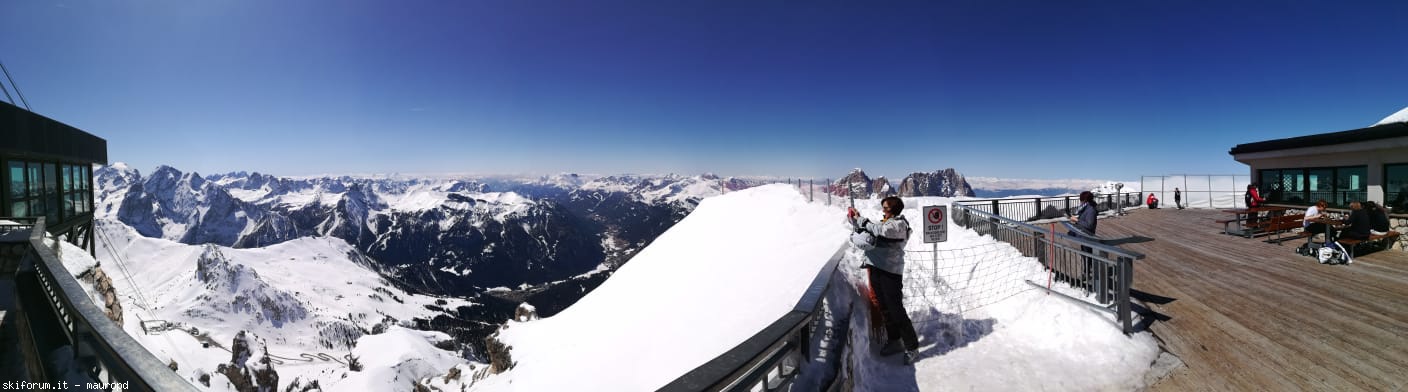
(889, 292)
(1315, 228)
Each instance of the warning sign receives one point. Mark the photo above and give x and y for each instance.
(935, 224)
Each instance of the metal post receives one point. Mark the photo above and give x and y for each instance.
(828, 192)
(994, 208)
(1038, 207)
(1040, 252)
(1126, 283)
(811, 191)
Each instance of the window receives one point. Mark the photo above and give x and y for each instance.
(54, 191)
(77, 189)
(19, 193)
(1396, 187)
(1350, 184)
(1321, 184)
(1293, 186)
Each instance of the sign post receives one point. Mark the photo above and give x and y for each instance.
(935, 229)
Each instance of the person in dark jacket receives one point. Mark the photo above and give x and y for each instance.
(1177, 198)
(1254, 200)
(885, 264)
(1085, 221)
(1378, 218)
(1358, 223)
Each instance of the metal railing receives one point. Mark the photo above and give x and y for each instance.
(770, 359)
(1105, 271)
(101, 349)
(1036, 208)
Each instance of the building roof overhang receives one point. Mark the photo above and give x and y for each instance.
(27, 135)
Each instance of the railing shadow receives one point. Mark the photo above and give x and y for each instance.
(1134, 239)
(940, 332)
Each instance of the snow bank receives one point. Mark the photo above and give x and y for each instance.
(1400, 116)
(729, 269)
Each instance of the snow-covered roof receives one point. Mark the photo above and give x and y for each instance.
(1398, 117)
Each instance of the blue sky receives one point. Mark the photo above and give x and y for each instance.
(1084, 89)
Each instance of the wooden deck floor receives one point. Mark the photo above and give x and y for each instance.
(1248, 315)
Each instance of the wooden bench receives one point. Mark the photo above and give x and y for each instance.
(1283, 224)
(1385, 239)
(1225, 223)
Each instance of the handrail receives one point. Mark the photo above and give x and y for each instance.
(1053, 235)
(1030, 208)
(104, 351)
(748, 363)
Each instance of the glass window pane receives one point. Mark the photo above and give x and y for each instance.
(1350, 184)
(1396, 188)
(33, 180)
(1292, 184)
(51, 179)
(84, 181)
(66, 174)
(16, 179)
(51, 208)
(19, 209)
(1321, 185)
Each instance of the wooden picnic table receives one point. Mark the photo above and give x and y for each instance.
(1240, 214)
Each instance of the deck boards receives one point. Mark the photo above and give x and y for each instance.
(1248, 315)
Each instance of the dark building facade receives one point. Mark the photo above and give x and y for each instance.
(46, 170)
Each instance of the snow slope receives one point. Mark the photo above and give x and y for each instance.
(726, 271)
(312, 295)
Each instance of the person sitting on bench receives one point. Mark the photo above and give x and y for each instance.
(1153, 201)
(1378, 218)
(1316, 211)
(1358, 223)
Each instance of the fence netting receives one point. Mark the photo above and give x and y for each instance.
(951, 281)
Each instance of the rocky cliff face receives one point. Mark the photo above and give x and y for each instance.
(942, 183)
(881, 187)
(855, 184)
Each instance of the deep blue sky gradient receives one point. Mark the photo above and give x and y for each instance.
(1025, 89)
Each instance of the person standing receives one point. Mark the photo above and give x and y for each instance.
(885, 263)
(1084, 222)
(1254, 200)
(1177, 198)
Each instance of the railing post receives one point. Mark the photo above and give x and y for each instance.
(1038, 238)
(994, 208)
(1038, 208)
(1125, 285)
(1068, 205)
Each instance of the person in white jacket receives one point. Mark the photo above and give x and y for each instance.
(885, 263)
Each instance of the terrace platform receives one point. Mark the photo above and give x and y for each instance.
(1244, 314)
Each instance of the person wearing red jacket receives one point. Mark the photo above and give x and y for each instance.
(1152, 201)
(1254, 200)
